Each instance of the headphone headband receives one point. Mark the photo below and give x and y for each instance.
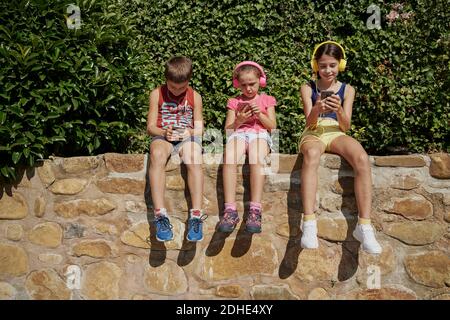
(342, 62)
(262, 79)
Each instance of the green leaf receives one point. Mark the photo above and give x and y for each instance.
(16, 157)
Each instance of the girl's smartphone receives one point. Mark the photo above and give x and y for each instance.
(325, 94)
(244, 107)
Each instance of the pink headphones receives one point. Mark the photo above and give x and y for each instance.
(262, 79)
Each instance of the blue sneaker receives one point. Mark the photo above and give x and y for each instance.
(195, 228)
(163, 228)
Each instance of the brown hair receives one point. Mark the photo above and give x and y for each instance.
(246, 68)
(178, 69)
(329, 49)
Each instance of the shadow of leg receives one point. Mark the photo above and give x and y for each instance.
(243, 239)
(158, 249)
(350, 248)
(290, 260)
(217, 242)
(187, 250)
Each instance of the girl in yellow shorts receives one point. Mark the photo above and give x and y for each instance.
(327, 104)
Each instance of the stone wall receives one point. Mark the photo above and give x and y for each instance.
(78, 228)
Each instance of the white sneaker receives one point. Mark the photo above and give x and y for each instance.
(365, 234)
(309, 237)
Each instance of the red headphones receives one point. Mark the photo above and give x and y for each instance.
(262, 79)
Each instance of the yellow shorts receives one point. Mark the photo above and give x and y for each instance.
(326, 131)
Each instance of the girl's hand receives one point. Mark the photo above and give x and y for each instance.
(255, 109)
(244, 114)
(321, 105)
(333, 104)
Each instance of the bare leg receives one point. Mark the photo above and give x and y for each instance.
(354, 153)
(191, 155)
(258, 150)
(311, 150)
(159, 153)
(234, 150)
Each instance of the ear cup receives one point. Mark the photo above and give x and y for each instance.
(342, 65)
(235, 83)
(314, 65)
(262, 81)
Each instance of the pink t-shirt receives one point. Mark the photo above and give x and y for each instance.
(263, 101)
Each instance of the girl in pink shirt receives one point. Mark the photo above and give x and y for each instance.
(250, 117)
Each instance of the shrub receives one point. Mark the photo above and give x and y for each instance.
(85, 91)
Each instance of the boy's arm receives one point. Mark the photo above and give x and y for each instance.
(152, 116)
(198, 116)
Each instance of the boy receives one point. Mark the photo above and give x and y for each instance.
(176, 123)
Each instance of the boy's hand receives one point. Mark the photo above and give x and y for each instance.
(183, 133)
(171, 135)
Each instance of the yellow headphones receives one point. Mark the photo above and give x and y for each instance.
(342, 62)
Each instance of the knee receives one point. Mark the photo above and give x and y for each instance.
(193, 158)
(158, 157)
(361, 162)
(229, 158)
(311, 156)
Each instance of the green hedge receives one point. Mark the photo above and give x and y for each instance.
(79, 92)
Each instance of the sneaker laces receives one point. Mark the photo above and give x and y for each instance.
(196, 222)
(164, 223)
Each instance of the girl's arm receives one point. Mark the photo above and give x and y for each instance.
(344, 113)
(311, 112)
(152, 116)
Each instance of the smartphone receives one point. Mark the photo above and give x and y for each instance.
(325, 94)
(244, 107)
(178, 130)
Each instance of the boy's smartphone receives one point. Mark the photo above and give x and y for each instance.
(325, 94)
(179, 130)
